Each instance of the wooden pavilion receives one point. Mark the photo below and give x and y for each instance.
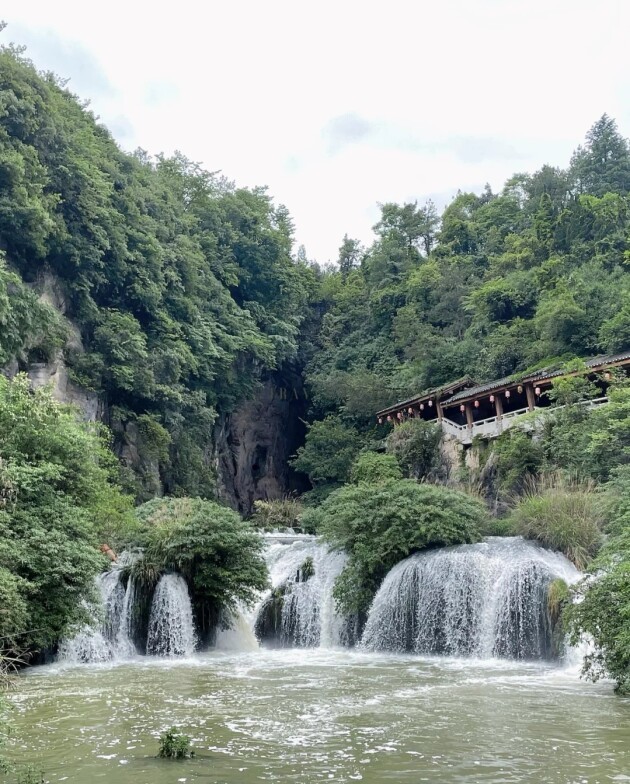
(465, 410)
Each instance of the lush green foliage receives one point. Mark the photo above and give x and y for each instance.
(217, 552)
(604, 609)
(502, 282)
(517, 459)
(174, 745)
(329, 452)
(183, 286)
(587, 444)
(30, 329)
(380, 524)
(416, 445)
(374, 467)
(562, 515)
(278, 514)
(58, 497)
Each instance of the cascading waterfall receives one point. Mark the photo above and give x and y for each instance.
(482, 600)
(299, 609)
(171, 625)
(112, 639)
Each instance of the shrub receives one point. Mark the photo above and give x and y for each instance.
(379, 525)
(328, 452)
(174, 745)
(604, 611)
(558, 596)
(374, 467)
(218, 554)
(281, 513)
(416, 446)
(518, 458)
(562, 515)
(603, 615)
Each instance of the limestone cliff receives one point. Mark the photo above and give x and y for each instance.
(253, 444)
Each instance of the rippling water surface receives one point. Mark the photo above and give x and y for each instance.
(313, 715)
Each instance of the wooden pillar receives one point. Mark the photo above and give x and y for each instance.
(531, 398)
(498, 407)
(440, 413)
(469, 416)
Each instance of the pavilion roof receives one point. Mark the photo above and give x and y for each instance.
(437, 393)
(553, 371)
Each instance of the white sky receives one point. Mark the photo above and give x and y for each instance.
(339, 105)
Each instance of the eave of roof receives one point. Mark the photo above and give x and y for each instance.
(437, 393)
(594, 363)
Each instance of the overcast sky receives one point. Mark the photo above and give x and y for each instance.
(339, 105)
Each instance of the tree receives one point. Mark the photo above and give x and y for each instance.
(603, 164)
(374, 467)
(350, 254)
(379, 524)
(412, 224)
(58, 501)
(416, 446)
(329, 451)
(218, 554)
(602, 613)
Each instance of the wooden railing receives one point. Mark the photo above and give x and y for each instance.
(494, 426)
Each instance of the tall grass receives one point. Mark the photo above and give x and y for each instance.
(563, 514)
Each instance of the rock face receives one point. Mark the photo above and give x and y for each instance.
(133, 453)
(55, 373)
(254, 443)
(250, 446)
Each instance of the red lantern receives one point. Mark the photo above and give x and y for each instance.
(410, 410)
(389, 419)
(507, 392)
(421, 406)
(492, 398)
(462, 408)
(399, 415)
(537, 391)
(476, 404)
(519, 389)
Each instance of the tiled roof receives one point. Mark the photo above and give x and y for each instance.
(436, 393)
(602, 361)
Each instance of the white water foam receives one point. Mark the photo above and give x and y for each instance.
(171, 624)
(482, 600)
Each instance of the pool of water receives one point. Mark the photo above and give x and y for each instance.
(313, 716)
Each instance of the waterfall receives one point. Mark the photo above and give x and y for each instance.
(110, 634)
(299, 608)
(482, 600)
(171, 626)
(238, 634)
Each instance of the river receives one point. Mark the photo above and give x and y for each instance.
(317, 715)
